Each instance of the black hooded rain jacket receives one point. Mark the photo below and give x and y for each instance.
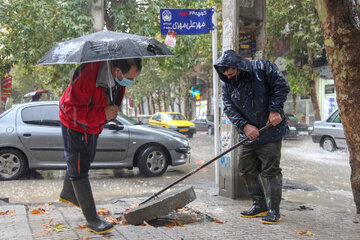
(250, 97)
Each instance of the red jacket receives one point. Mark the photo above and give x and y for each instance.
(82, 104)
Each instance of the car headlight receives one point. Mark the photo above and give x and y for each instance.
(292, 128)
(183, 141)
(172, 126)
(310, 128)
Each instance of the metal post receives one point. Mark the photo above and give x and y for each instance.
(215, 96)
(97, 11)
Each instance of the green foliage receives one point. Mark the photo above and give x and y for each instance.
(158, 75)
(30, 28)
(295, 22)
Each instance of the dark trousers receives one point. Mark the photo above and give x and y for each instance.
(79, 152)
(261, 159)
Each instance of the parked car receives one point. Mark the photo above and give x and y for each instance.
(204, 123)
(330, 132)
(298, 130)
(30, 138)
(144, 119)
(174, 121)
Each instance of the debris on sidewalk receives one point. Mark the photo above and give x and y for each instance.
(305, 233)
(160, 206)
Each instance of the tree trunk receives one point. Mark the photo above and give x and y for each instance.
(340, 24)
(166, 108)
(314, 100)
(142, 105)
(151, 112)
(313, 95)
(158, 102)
(171, 100)
(294, 103)
(153, 104)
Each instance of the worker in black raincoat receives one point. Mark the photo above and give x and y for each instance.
(254, 92)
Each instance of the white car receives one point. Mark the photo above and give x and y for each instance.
(330, 133)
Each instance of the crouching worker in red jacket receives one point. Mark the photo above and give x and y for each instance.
(85, 107)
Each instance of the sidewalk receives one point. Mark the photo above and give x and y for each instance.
(324, 223)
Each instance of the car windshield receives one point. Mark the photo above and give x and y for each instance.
(128, 119)
(173, 116)
(210, 118)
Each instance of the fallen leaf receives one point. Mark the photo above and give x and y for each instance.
(123, 222)
(131, 207)
(7, 212)
(218, 221)
(40, 211)
(171, 225)
(305, 233)
(179, 223)
(145, 223)
(78, 226)
(84, 238)
(50, 227)
(182, 210)
(104, 211)
(112, 220)
(49, 224)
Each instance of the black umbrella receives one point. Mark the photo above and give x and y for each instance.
(104, 46)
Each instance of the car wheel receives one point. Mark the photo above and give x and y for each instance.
(13, 164)
(328, 144)
(152, 161)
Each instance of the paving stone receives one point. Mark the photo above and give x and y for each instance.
(160, 206)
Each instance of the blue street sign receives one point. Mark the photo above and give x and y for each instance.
(186, 21)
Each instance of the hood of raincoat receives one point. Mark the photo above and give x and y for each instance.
(249, 97)
(231, 59)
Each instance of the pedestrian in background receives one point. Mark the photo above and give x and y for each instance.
(253, 93)
(92, 99)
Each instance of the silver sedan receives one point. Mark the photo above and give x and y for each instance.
(30, 138)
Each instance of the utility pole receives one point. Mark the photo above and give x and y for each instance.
(97, 12)
(244, 32)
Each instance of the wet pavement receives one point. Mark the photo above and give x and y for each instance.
(317, 197)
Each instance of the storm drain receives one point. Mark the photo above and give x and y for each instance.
(177, 218)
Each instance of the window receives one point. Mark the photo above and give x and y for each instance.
(210, 118)
(174, 117)
(329, 89)
(157, 117)
(337, 119)
(41, 115)
(333, 116)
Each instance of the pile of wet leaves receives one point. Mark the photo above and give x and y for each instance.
(177, 218)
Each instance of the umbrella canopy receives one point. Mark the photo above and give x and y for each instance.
(103, 46)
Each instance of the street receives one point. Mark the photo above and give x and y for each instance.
(311, 175)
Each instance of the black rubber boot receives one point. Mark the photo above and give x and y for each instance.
(67, 194)
(256, 191)
(85, 197)
(275, 191)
